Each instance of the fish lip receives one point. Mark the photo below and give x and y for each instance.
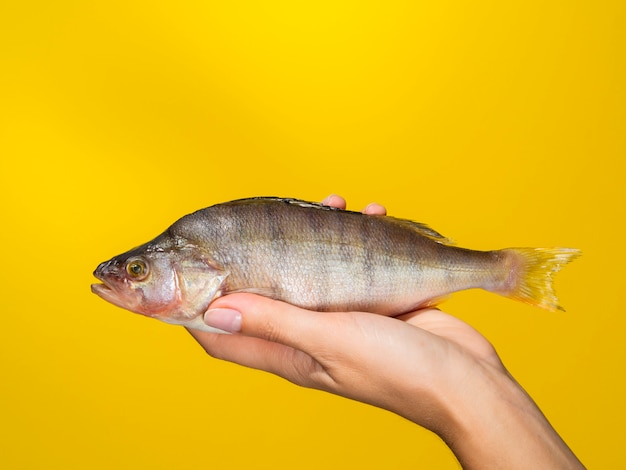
(104, 291)
(103, 285)
(100, 271)
(99, 288)
(107, 293)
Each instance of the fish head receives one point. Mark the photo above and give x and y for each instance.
(174, 285)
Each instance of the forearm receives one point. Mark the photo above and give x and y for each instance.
(490, 422)
(427, 366)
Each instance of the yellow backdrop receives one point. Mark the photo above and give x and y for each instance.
(497, 123)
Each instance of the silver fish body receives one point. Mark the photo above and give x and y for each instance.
(316, 257)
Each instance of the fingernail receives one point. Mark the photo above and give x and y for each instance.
(375, 209)
(223, 319)
(327, 200)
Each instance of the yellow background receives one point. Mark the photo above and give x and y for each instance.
(498, 123)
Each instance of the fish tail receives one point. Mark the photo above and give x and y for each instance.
(529, 277)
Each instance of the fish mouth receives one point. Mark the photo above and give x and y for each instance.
(107, 293)
(102, 290)
(111, 294)
(114, 289)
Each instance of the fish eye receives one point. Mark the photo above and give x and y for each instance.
(137, 269)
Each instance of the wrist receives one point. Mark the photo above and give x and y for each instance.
(490, 421)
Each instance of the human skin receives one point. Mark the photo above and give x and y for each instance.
(426, 366)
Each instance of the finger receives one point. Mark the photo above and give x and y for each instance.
(454, 330)
(234, 348)
(375, 209)
(436, 322)
(257, 353)
(335, 201)
(267, 319)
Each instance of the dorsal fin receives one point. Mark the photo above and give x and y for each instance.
(418, 227)
(423, 230)
(286, 200)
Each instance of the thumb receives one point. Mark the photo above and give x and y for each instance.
(261, 317)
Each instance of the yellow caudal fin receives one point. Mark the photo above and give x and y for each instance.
(532, 270)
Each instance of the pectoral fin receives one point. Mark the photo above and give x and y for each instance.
(269, 292)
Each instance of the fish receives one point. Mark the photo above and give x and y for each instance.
(316, 257)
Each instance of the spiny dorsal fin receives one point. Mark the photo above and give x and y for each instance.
(423, 230)
(420, 228)
(286, 200)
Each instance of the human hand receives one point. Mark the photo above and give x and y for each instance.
(288, 347)
(427, 366)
